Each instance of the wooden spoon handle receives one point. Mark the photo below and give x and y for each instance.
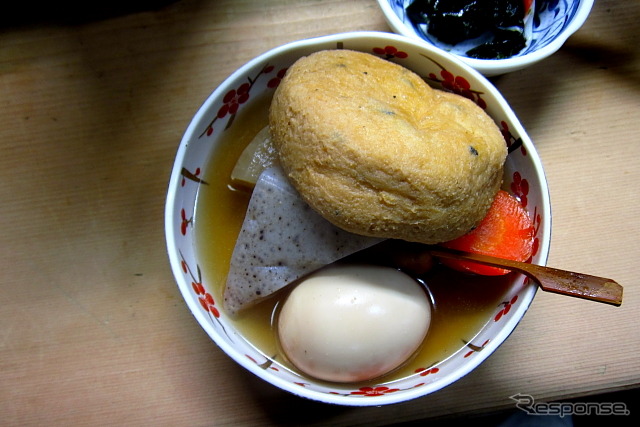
(550, 279)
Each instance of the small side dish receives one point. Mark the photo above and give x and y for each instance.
(478, 35)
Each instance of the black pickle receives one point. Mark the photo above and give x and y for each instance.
(455, 21)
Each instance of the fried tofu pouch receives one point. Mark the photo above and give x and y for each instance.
(376, 151)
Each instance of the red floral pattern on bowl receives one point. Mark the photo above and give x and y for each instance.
(523, 176)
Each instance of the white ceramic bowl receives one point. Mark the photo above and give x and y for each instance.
(523, 174)
(553, 22)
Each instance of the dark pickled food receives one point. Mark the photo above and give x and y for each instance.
(497, 24)
(505, 44)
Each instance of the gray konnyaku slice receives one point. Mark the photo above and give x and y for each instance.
(281, 240)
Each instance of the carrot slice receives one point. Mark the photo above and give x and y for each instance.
(505, 232)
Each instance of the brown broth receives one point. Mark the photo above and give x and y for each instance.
(462, 304)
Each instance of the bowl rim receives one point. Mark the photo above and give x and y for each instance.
(491, 66)
(175, 262)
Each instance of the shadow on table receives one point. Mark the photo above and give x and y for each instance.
(530, 91)
(579, 412)
(285, 409)
(68, 12)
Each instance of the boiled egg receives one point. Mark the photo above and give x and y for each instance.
(350, 323)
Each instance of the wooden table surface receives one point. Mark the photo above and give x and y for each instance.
(93, 330)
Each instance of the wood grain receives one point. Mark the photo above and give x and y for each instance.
(93, 329)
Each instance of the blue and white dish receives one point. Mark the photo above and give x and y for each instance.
(552, 22)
